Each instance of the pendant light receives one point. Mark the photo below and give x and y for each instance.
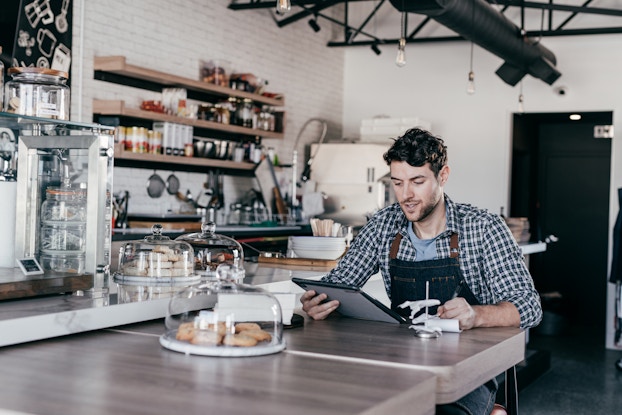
(283, 6)
(471, 81)
(521, 99)
(400, 59)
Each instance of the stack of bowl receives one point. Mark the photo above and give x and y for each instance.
(318, 247)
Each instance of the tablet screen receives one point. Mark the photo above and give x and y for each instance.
(354, 302)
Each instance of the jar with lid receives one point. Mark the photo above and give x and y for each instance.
(63, 229)
(37, 92)
(245, 117)
(221, 113)
(235, 107)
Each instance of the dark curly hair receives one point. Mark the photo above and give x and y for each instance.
(417, 147)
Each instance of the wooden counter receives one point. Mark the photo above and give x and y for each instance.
(128, 372)
(461, 361)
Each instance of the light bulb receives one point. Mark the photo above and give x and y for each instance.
(283, 6)
(521, 107)
(471, 84)
(400, 59)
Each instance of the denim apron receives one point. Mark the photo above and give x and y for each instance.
(409, 278)
(408, 283)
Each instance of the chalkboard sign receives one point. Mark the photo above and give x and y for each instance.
(43, 35)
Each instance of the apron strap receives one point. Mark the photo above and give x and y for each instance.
(454, 251)
(395, 246)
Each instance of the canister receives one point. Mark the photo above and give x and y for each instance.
(37, 92)
(63, 229)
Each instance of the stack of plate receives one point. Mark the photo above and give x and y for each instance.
(318, 247)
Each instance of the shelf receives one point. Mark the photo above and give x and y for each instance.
(118, 108)
(124, 158)
(116, 69)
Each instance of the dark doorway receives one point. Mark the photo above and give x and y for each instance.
(560, 181)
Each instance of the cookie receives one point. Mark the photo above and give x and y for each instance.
(259, 335)
(185, 332)
(177, 272)
(159, 272)
(134, 271)
(206, 338)
(246, 326)
(220, 327)
(182, 265)
(239, 340)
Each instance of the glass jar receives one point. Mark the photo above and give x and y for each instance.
(64, 205)
(245, 117)
(37, 92)
(71, 264)
(62, 239)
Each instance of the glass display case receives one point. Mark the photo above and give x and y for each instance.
(62, 203)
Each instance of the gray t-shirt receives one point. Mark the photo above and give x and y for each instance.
(425, 248)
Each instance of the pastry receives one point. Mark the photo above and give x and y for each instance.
(259, 335)
(185, 332)
(246, 326)
(206, 338)
(239, 340)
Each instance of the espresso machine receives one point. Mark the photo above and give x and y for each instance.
(62, 208)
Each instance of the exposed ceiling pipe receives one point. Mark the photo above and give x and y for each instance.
(479, 22)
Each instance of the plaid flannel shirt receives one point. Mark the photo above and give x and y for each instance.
(490, 259)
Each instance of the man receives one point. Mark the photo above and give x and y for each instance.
(427, 238)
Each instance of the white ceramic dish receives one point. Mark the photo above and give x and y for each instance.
(169, 341)
(318, 254)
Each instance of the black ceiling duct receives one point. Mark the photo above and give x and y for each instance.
(485, 26)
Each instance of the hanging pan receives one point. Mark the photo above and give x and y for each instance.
(155, 186)
(172, 184)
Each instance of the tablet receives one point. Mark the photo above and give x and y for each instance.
(353, 302)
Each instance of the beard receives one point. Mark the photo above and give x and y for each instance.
(420, 212)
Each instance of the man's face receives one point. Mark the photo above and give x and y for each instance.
(417, 190)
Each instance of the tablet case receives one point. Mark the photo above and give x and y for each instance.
(353, 302)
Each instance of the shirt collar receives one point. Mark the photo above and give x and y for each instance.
(451, 215)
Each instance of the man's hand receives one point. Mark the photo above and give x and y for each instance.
(316, 306)
(503, 314)
(458, 309)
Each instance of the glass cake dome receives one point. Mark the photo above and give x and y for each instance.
(212, 250)
(224, 318)
(156, 259)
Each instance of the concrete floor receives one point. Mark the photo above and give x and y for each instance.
(583, 378)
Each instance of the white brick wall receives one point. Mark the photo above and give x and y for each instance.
(173, 36)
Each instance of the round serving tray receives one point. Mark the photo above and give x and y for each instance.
(169, 341)
(133, 279)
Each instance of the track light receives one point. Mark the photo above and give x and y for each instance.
(283, 6)
(313, 23)
(375, 48)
